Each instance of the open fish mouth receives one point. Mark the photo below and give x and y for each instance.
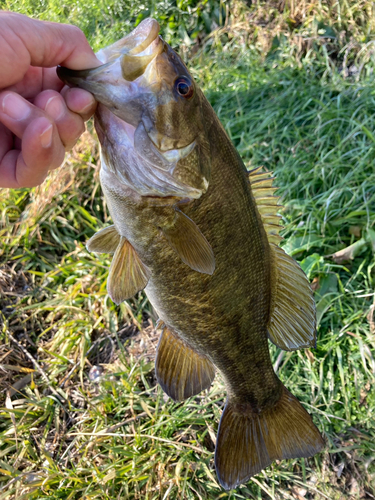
(141, 106)
(123, 62)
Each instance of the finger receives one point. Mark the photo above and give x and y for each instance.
(69, 125)
(38, 43)
(41, 151)
(35, 80)
(6, 141)
(16, 112)
(79, 101)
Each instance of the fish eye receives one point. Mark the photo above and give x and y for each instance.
(184, 87)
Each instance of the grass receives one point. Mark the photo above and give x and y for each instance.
(68, 431)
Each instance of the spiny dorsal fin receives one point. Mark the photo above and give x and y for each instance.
(263, 192)
(104, 241)
(180, 370)
(127, 274)
(187, 240)
(292, 313)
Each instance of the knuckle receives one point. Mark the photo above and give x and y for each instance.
(78, 34)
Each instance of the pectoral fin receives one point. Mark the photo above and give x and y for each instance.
(104, 241)
(180, 370)
(127, 274)
(186, 239)
(292, 315)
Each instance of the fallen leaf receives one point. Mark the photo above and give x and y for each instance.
(310, 355)
(315, 284)
(349, 253)
(364, 392)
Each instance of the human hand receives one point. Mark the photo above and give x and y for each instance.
(39, 117)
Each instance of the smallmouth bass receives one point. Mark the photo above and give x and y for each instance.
(199, 233)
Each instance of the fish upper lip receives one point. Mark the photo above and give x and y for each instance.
(143, 41)
(151, 36)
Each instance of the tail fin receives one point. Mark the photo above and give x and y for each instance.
(248, 442)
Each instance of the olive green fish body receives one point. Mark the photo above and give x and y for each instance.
(223, 316)
(198, 234)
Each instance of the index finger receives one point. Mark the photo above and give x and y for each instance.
(35, 81)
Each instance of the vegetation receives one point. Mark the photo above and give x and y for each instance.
(81, 415)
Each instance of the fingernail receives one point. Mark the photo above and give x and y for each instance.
(15, 107)
(55, 108)
(75, 99)
(88, 106)
(46, 136)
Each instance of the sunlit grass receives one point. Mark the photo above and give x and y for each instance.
(64, 435)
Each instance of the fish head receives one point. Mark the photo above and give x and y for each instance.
(147, 94)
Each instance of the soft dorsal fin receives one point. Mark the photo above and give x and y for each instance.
(187, 240)
(292, 320)
(292, 314)
(127, 274)
(180, 370)
(104, 241)
(263, 192)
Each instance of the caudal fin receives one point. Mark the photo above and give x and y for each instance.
(248, 442)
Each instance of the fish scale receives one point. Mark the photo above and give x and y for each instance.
(198, 233)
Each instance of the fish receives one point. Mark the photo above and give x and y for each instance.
(199, 233)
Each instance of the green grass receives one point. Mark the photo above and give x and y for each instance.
(297, 112)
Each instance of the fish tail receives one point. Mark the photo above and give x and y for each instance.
(248, 442)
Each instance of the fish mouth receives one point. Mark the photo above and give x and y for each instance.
(126, 60)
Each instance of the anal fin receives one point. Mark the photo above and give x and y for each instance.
(247, 442)
(104, 241)
(127, 274)
(292, 320)
(187, 240)
(180, 370)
